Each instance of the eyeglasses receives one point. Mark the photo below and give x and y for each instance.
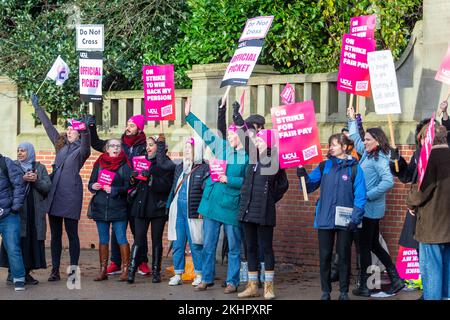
(117, 146)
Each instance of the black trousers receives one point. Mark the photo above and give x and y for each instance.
(258, 236)
(71, 226)
(343, 249)
(141, 226)
(115, 249)
(369, 242)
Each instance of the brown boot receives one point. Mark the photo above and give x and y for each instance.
(103, 251)
(268, 290)
(250, 291)
(125, 254)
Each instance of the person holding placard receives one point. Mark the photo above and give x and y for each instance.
(64, 201)
(375, 152)
(149, 204)
(185, 223)
(264, 185)
(220, 202)
(339, 210)
(108, 206)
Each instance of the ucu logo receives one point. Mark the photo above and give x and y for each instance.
(153, 111)
(289, 156)
(446, 72)
(345, 82)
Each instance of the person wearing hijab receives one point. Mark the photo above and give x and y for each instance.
(33, 227)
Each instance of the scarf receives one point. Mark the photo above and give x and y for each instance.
(130, 141)
(27, 164)
(112, 163)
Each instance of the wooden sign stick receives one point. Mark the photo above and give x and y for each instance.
(391, 131)
(224, 98)
(305, 192)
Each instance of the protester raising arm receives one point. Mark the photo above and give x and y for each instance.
(221, 118)
(96, 143)
(354, 132)
(48, 126)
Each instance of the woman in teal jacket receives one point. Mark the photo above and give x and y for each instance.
(220, 202)
(375, 152)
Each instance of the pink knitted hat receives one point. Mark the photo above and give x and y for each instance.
(139, 121)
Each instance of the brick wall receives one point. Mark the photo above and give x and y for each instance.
(295, 239)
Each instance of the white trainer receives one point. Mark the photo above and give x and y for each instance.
(197, 280)
(175, 280)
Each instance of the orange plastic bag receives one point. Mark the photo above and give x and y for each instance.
(188, 274)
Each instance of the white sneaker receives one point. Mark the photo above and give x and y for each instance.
(197, 280)
(175, 280)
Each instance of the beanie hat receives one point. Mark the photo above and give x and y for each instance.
(191, 141)
(268, 136)
(256, 118)
(232, 128)
(139, 121)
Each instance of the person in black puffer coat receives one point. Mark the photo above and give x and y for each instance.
(185, 223)
(109, 205)
(149, 205)
(264, 185)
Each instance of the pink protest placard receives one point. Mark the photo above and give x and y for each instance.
(288, 94)
(159, 92)
(408, 263)
(425, 151)
(140, 163)
(363, 26)
(298, 134)
(217, 168)
(353, 75)
(443, 73)
(77, 125)
(106, 177)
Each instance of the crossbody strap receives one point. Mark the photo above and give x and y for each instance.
(184, 179)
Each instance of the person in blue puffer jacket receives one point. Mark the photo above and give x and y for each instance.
(342, 194)
(375, 152)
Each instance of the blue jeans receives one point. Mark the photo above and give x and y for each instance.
(434, 261)
(211, 230)
(10, 232)
(119, 228)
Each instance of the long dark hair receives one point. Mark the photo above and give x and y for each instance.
(61, 141)
(382, 140)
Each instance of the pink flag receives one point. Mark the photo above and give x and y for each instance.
(105, 177)
(217, 168)
(159, 92)
(298, 135)
(140, 163)
(408, 263)
(363, 26)
(443, 73)
(353, 75)
(288, 94)
(425, 151)
(77, 125)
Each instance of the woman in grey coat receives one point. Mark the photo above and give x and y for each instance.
(33, 225)
(65, 198)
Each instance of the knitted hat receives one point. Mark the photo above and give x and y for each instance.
(268, 136)
(139, 121)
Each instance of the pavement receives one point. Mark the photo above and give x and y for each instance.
(291, 283)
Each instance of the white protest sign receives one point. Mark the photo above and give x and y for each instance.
(383, 81)
(90, 37)
(256, 28)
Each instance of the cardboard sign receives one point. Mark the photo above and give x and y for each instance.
(299, 142)
(288, 94)
(90, 37)
(217, 168)
(77, 125)
(353, 75)
(91, 74)
(106, 178)
(363, 26)
(256, 28)
(140, 163)
(242, 63)
(159, 92)
(408, 263)
(425, 151)
(383, 81)
(443, 73)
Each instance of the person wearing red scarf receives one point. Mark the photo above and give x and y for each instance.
(109, 183)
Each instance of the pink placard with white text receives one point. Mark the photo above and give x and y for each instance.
(159, 92)
(288, 94)
(363, 26)
(298, 135)
(106, 177)
(425, 151)
(408, 263)
(353, 75)
(217, 168)
(140, 163)
(77, 125)
(443, 73)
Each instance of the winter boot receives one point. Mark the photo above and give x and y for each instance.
(397, 283)
(133, 263)
(125, 254)
(252, 286)
(268, 285)
(54, 275)
(103, 251)
(156, 264)
(362, 290)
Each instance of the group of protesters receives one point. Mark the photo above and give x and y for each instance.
(354, 179)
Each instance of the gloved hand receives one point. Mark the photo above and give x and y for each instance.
(134, 174)
(35, 100)
(395, 154)
(237, 117)
(145, 173)
(352, 227)
(219, 103)
(236, 107)
(359, 120)
(90, 120)
(301, 172)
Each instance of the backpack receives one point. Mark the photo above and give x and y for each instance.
(354, 171)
